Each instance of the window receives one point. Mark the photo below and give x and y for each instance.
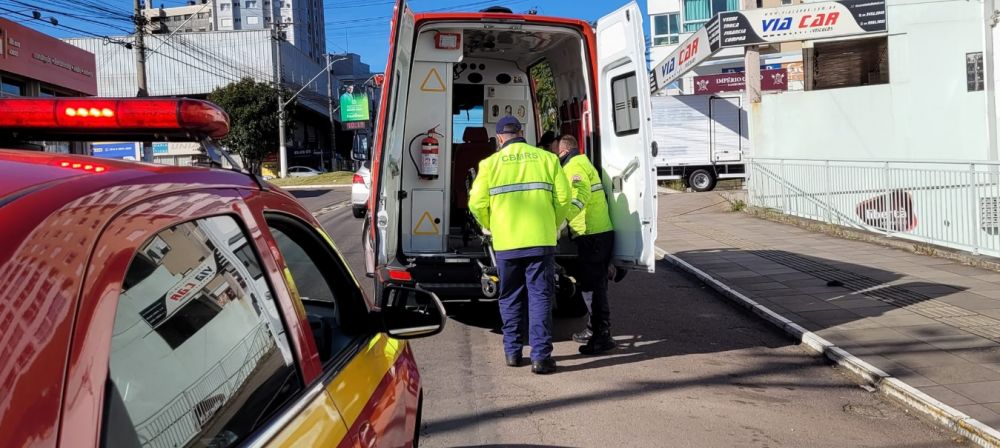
(12, 87)
(697, 12)
(625, 98)
(253, 20)
(333, 302)
(666, 29)
(201, 15)
(187, 16)
(47, 93)
(849, 63)
(199, 354)
(251, 4)
(237, 21)
(786, 2)
(224, 6)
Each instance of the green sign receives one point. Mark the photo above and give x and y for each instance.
(353, 107)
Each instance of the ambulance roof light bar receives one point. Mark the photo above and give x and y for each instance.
(114, 116)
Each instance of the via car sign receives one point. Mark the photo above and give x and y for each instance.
(809, 21)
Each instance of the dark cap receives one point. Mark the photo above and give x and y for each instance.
(508, 125)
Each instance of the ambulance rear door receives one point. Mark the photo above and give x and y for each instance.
(382, 228)
(626, 149)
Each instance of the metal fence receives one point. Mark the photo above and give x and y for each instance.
(183, 417)
(947, 203)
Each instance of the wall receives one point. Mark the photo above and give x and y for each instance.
(925, 112)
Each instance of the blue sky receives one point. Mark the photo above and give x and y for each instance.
(361, 26)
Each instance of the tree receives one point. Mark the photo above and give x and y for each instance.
(545, 93)
(253, 119)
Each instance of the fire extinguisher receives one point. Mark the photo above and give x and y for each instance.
(430, 151)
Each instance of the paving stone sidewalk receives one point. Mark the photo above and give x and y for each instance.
(930, 322)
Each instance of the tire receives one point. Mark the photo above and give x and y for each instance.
(359, 212)
(701, 180)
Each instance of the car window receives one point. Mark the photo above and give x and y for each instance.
(199, 354)
(333, 302)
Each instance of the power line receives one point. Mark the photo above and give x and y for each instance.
(81, 18)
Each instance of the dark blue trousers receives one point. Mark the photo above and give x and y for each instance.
(527, 288)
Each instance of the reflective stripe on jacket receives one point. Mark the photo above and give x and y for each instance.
(588, 212)
(521, 196)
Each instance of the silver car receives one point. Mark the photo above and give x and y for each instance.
(303, 171)
(360, 188)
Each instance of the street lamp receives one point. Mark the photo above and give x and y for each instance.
(282, 149)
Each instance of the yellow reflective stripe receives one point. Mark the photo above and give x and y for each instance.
(596, 187)
(577, 203)
(318, 425)
(354, 386)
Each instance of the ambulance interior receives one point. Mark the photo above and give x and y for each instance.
(463, 92)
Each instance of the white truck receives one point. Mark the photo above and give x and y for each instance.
(700, 138)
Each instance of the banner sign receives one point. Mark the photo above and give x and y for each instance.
(741, 69)
(802, 22)
(770, 80)
(792, 23)
(126, 151)
(353, 106)
(695, 49)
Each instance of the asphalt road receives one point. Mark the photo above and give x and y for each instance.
(690, 371)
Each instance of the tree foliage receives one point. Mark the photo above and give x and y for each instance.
(545, 94)
(253, 119)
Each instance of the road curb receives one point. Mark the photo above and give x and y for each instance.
(930, 408)
(313, 187)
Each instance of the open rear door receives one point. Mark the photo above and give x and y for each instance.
(626, 152)
(382, 225)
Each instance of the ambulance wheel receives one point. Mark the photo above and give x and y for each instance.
(701, 180)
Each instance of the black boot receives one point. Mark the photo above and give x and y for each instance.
(515, 360)
(583, 336)
(543, 366)
(598, 343)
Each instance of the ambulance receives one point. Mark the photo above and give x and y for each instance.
(450, 77)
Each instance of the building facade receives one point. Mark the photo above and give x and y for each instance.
(195, 64)
(33, 64)
(302, 20)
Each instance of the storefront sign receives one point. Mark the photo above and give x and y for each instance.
(125, 151)
(732, 29)
(802, 22)
(796, 71)
(354, 125)
(161, 147)
(742, 69)
(894, 214)
(700, 46)
(34, 55)
(770, 80)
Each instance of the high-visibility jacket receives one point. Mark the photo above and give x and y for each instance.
(588, 211)
(521, 196)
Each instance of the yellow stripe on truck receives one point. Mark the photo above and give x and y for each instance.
(354, 386)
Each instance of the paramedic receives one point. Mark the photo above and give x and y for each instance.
(591, 229)
(520, 197)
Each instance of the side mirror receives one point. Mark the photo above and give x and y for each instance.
(409, 313)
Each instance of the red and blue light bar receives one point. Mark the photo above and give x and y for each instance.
(115, 116)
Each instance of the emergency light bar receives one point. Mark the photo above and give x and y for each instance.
(114, 116)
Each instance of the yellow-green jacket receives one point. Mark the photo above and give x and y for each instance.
(588, 212)
(521, 196)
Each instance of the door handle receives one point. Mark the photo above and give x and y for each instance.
(618, 181)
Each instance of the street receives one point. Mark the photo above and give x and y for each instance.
(690, 370)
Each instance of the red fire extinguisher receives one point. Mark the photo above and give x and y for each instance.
(430, 152)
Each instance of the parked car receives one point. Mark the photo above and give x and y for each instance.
(303, 171)
(151, 305)
(360, 189)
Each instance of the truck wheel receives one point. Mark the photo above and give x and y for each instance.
(701, 180)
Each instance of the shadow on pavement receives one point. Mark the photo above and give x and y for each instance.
(304, 194)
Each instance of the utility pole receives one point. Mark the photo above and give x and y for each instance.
(990, 78)
(279, 78)
(140, 68)
(751, 64)
(329, 98)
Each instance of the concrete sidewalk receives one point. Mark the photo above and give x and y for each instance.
(930, 323)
